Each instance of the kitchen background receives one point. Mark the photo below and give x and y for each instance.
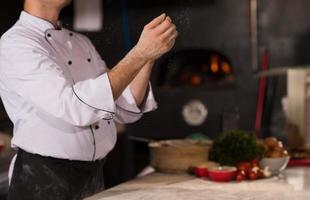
(244, 37)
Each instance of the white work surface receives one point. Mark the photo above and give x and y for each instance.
(293, 183)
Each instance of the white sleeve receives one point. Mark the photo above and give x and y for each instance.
(29, 71)
(127, 110)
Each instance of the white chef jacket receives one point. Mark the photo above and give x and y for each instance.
(56, 91)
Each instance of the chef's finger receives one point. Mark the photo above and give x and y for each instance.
(171, 30)
(163, 27)
(173, 36)
(155, 22)
(168, 18)
(170, 45)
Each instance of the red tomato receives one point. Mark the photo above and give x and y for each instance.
(241, 172)
(245, 166)
(252, 176)
(240, 177)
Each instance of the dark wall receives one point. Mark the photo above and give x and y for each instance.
(285, 31)
(9, 14)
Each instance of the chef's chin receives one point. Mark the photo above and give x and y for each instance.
(64, 3)
(53, 3)
(56, 3)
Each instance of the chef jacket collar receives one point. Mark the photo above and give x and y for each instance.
(39, 23)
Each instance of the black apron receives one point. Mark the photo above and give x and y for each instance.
(44, 178)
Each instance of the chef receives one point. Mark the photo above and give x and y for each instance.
(64, 101)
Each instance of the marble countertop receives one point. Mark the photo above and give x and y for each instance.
(293, 183)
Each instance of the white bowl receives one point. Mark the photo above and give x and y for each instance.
(276, 165)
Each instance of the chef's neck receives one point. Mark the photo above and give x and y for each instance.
(43, 11)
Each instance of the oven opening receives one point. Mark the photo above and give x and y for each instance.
(196, 68)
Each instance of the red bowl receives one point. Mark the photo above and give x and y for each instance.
(201, 171)
(222, 174)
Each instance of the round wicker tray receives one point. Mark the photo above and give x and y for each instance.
(176, 156)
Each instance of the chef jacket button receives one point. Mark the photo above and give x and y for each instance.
(109, 122)
(97, 127)
(49, 35)
(89, 60)
(70, 62)
(71, 34)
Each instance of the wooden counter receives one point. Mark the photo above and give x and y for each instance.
(294, 183)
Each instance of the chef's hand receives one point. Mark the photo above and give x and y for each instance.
(158, 37)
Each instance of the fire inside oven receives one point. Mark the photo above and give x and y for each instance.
(196, 67)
